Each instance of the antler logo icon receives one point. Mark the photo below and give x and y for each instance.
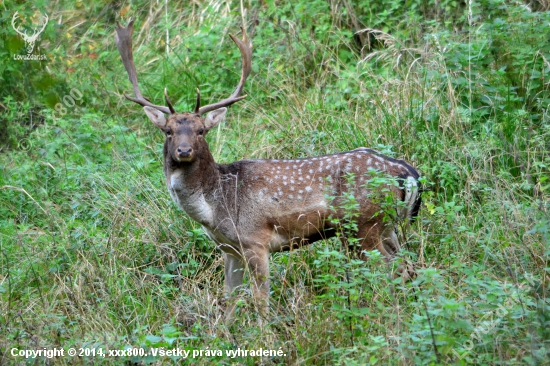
(29, 40)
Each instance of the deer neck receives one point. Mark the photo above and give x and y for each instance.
(191, 185)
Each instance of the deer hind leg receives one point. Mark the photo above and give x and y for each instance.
(390, 242)
(384, 238)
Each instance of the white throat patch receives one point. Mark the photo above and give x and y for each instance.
(191, 201)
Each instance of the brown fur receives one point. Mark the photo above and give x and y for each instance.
(251, 208)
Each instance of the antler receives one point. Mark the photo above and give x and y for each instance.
(123, 40)
(246, 53)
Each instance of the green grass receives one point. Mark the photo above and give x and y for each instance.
(93, 253)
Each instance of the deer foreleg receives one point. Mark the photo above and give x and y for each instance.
(234, 272)
(258, 262)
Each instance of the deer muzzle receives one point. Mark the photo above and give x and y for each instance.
(184, 153)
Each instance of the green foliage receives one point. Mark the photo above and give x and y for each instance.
(28, 86)
(501, 66)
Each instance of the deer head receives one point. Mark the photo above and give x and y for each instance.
(184, 131)
(29, 40)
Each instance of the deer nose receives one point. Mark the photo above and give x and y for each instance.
(184, 151)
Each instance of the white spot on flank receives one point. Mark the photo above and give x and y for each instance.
(369, 161)
(300, 178)
(285, 183)
(314, 159)
(284, 177)
(311, 171)
(287, 168)
(328, 167)
(292, 181)
(299, 197)
(308, 189)
(300, 191)
(308, 177)
(295, 166)
(292, 188)
(291, 196)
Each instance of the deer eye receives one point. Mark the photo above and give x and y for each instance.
(168, 133)
(201, 131)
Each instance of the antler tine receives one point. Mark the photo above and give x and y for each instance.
(198, 105)
(246, 53)
(168, 103)
(123, 40)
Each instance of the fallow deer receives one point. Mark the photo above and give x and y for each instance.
(251, 208)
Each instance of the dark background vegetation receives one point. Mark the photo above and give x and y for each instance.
(94, 254)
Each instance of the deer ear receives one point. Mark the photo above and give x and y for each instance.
(214, 117)
(156, 116)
